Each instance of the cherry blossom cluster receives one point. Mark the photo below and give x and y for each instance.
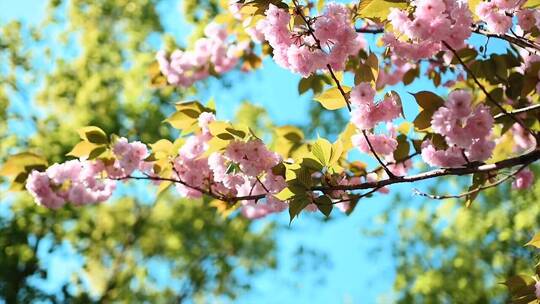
(528, 19)
(433, 21)
(497, 15)
(243, 169)
(465, 129)
(332, 41)
(74, 181)
(211, 54)
(366, 114)
(83, 182)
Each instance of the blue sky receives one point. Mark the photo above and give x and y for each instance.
(356, 272)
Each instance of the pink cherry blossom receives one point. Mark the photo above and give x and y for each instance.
(382, 144)
(299, 52)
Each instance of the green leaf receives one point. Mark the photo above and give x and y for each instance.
(97, 152)
(324, 204)
(162, 148)
(379, 9)
(410, 76)
(93, 134)
(312, 163)
(428, 100)
(519, 284)
(322, 150)
(423, 120)
(332, 99)
(181, 121)
(429, 103)
(373, 62)
(535, 241)
(18, 163)
(235, 132)
(466, 55)
(352, 204)
(304, 85)
(233, 168)
(337, 152)
(404, 127)
(303, 176)
(472, 7)
(185, 118)
(531, 4)
(296, 205)
(18, 183)
(285, 194)
(363, 73)
(218, 127)
(478, 180)
(83, 149)
(225, 136)
(402, 150)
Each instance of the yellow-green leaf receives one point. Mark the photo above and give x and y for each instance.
(332, 99)
(162, 148)
(83, 149)
(535, 241)
(532, 4)
(93, 134)
(379, 9)
(284, 194)
(18, 163)
(322, 150)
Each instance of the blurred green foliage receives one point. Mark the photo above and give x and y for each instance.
(91, 63)
(446, 253)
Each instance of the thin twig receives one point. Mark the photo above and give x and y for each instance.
(318, 45)
(178, 181)
(340, 88)
(338, 83)
(396, 162)
(370, 30)
(476, 190)
(519, 111)
(390, 174)
(521, 41)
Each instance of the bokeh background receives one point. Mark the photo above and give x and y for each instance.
(67, 64)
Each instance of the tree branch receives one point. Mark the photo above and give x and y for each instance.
(518, 41)
(518, 111)
(522, 160)
(521, 41)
